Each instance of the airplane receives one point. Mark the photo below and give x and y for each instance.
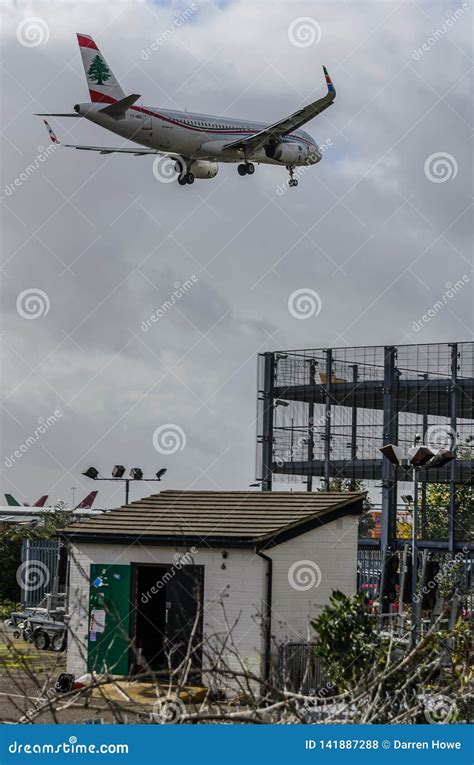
(86, 503)
(196, 142)
(12, 502)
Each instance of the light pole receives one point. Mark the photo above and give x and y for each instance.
(136, 474)
(419, 456)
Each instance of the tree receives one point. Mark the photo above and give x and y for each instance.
(381, 679)
(437, 504)
(98, 71)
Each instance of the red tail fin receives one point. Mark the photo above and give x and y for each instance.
(41, 501)
(87, 502)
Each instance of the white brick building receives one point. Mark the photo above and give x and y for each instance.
(144, 576)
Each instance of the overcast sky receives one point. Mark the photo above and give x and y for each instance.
(379, 229)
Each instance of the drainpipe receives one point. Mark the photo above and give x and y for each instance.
(268, 614)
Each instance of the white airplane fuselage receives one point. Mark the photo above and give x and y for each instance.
(199, 136)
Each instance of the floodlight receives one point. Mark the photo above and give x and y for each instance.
(441, 458)
(279, 402)
(407, 499)
(91, 472)
(393, 453)
(161, 473)
(118, 471)
(136, 474)
(420, 455)
(253, 485)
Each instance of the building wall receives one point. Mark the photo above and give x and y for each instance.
(234, 597)
(323, 560)
(234, 594)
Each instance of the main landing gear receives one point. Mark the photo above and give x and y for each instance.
(292, 181)
(184, 179)
(246, 168)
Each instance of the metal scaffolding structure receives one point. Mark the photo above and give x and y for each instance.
(326, 412)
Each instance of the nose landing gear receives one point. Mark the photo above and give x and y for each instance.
(246, 168)
(292, 181)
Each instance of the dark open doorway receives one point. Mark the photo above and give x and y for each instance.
(167, 617)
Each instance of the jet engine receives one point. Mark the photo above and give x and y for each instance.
(200, 168)
(204, 168)
(286, 153)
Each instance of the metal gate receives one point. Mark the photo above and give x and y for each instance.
(39, 564)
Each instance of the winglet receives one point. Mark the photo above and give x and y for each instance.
(52, 134)
(331, 88)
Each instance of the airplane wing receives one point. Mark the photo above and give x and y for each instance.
(101, 149)
(288, 124)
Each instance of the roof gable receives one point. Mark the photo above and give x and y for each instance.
(239, 518)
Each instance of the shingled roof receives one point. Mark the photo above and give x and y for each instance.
(238, 518)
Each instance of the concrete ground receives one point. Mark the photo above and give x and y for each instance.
(27, 679)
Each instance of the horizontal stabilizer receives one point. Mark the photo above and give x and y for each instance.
(120, 107)
(48, 114)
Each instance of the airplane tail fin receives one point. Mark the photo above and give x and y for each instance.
(102, 84)
(41, 501)
(87, 502)
(11, 501)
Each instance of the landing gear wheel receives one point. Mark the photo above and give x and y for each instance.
(250, 168)
(242, 169)
(292, 181)
(42, 641)
(190, 178)
(183, 181)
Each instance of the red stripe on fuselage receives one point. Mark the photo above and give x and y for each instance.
(99, 97)
(86, 42)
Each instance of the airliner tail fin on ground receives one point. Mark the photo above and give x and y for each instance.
(102, 84)
(11, 501)
(87, 502)
(41, 501)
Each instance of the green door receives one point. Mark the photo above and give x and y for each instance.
(109, 619)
